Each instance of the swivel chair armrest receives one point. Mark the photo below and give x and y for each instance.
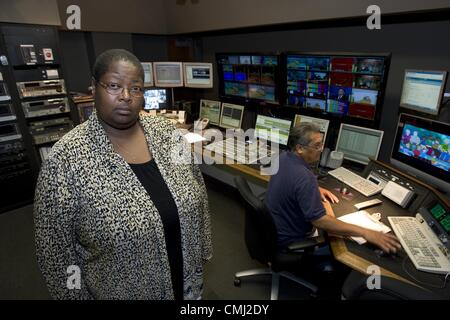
(308, 243)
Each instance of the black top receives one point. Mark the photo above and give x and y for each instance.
(151, 179)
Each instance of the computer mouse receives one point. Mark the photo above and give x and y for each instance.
(380, 253)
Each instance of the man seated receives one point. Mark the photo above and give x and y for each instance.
(294, 197)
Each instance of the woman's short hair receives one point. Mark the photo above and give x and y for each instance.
(301, 134)
(108, 57)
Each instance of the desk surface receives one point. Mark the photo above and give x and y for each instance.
(360, 257)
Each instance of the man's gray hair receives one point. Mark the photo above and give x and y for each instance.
(301, 134)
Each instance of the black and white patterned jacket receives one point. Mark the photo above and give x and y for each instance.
(92, 212)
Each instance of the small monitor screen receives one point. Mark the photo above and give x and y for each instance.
(423, 90)
(358, 143)
(245, 60)
(439, 212)
(363, 96)
(316, 103)
(198, 75)
(272, 129)
(231, 116)
(168, 74)
(261, 92)
(155, 99)
(211, 110)
(236, 89)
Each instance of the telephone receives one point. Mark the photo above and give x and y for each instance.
(201, 124)
(331, 159)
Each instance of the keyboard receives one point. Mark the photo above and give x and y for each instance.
(424, 249)
(364, 186)
(240, 151)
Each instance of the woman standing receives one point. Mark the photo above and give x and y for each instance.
(111, 201)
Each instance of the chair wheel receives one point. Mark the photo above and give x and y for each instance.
(237, 282)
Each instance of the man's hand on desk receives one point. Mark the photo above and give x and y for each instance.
(327, 196)
(387, 242)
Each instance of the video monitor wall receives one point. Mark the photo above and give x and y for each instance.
(345, 86)
(248, 77)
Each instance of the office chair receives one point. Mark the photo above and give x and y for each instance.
(261, 242)
(355, 288)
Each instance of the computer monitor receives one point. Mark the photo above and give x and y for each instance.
(211, 110)
(248, 78)
(421, 148)
(155, 99)
(168, 74)
(321, 123)
(423, 90)
(148, 74)
(198, 75)
(272, 129)
(231, 116)
(339, 85)
(358, 143)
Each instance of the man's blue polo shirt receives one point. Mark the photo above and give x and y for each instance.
(293, 198)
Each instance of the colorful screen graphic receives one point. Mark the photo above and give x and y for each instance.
(426, 145)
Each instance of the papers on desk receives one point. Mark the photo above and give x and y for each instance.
(193, 137)
(364, 219)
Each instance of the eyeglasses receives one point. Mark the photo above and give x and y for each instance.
(317, 147)
(116, 89)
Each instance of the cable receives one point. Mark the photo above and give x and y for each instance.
(445, 279)
(421, 282)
